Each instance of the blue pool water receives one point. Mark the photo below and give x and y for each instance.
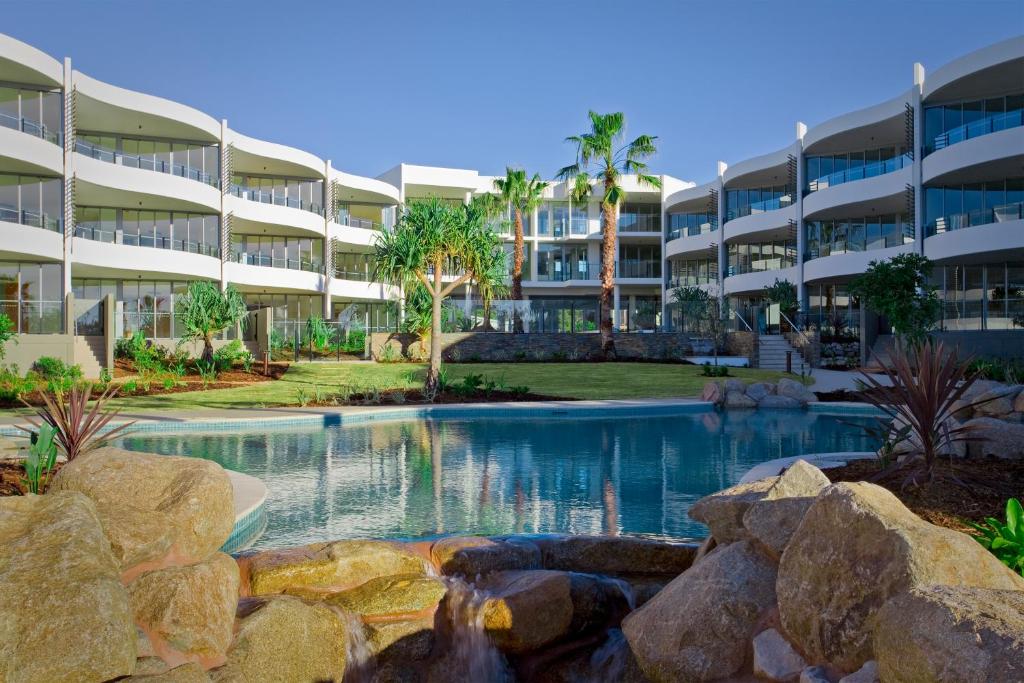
(423, 478)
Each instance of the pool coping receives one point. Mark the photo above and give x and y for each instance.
(250, 499)
(822, 461)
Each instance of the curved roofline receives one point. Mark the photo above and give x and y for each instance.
(759, 163)
(858, 119)
(32, 58)
(992, 55)
(274, 150)
(366, 184)
(690, 193)
(150, 105)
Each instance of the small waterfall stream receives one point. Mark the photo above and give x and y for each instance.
(359, 663)
(473, 657)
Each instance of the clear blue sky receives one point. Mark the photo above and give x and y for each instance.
(485, 83)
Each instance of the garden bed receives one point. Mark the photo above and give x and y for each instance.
(399, 397)
(986, 485)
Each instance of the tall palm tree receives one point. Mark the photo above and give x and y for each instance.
(431, 234)
(490, 281)
(523, 196)
(602, 157)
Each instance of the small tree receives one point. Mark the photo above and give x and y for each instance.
(783, 294)
(490, 281)
(431, 234)
(205, 311)
(523, 196)
(6, 332)
(708, 312)
(899, 289)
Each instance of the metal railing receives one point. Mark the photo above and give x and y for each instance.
(976, 129)
(32, 127)
(690, 231)
(31, 218)
(145, 163)
(273, 262)
(638, 269)
(639, 223)
(959, 221)
(760, 207)
(875, 168)
(355, 222)
(120, 237)
(262, 196)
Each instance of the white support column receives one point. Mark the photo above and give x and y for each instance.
(69, 179)
(801, 289)
(665, 266)
(631, 318)
(327, 257)
(615, 308)
(722, 263)
(918, 151)
(225, 181)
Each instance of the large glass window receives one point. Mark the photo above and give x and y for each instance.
(954, 207)
(692, 272)
(746, 201)
(639, 261)
(193, 160)
(191, 232)
(33, 111)
(760, 256)
(639, 217)
(953, 122)
(31, 200)
(32, 296)
(692, 223)
(296, 253)
(298, 193)
(579, 219)
(841, 236)
(824, 171)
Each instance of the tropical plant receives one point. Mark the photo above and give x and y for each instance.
(601, 156)
(79, 428)
(226, 356)
(707, 313)
(490, 281)
(302, 396)
(522, 195)
(205, 311)
(318, 332)
(207, 371)
(7, 329)
(924, 388)
(431, 234)
(1005, 541)
(899, 289)
(50, 368)
(42, 455)
(783, 293)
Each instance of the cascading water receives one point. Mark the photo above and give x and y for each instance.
(359, 664)
(472, 655)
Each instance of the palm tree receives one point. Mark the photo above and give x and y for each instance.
(430, 235)
(490, 281)
(601, 156)
(523, 196)
(205, 311)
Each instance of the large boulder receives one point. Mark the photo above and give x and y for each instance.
(996, 438)
(856, 547)
(64, 615)
(713, 393)
(155, 509)
(188, 613)
(795, 390)
(1018, 403)
(284, 639)
(186, 673)
(996, 402)
(614, 555)
(473, 556)
(723, 511)
(528, 609)
(738, 399)
(699, 627)
(773, 519)
(773, 401)
(775, 659)
(391, 596)
(758, 390)
(736, 385)
(951, 634)
(338, 565)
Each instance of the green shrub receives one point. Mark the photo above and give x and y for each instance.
(1006, 541)
(50, 368)
(129, 387)
(388, 354)
(6, 332)
(225, 357)
(42, 455)
(709, 370)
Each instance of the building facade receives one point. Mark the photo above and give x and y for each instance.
(112, 195)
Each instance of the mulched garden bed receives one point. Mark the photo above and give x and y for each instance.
(11, 473)
(987, 484)
(397, 397)
(847, 396)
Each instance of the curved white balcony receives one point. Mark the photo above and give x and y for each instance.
(18, 241)
(251, 155)
(764, 169)
(1001, 152)
(273, 279)
(354, 188)
(103, 184)
(690, 194)
(103, 107)
(994, 241)
(22, 63)
(94, 258)
(757, 281)
(689, 244)
(858, 196)
(356, 289)
(346, 234)
(859, 129)
(766, 221)
(849, 264)
(267, 215)
(992, 69)
(22, 153)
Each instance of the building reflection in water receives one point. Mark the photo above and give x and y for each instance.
(425, 478)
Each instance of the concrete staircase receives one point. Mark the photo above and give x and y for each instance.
(90, 353)
(771, 352)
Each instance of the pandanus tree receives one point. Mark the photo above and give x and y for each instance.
(431, 235)
(205, 311)
(522, 195)
(603, 157)
(491, 280)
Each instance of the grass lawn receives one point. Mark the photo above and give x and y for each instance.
(570, 380)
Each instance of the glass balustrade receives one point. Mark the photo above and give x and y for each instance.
(32, 127)
(959, 221)
(976, 129)
(263, 196)
(113, 236)
(638, 269)
(31, 218)
(690, 224)
(278, 262)
(144, 162)
(870, 170)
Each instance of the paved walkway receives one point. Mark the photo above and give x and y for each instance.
(835, 380)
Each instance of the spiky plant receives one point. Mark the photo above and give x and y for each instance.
(205, 311)
(925, 384)
(601, 156)
(79, 428)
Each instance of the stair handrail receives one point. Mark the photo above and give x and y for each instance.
(785, 317)
(749, 328)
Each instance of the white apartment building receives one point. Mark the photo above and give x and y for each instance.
(112, 195)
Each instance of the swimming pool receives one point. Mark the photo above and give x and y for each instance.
(421, 478)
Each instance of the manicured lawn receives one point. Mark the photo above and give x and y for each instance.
(570, 380)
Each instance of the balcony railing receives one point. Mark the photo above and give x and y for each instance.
(579, 226)
(97, 234)
(31, 127)
(760, 266)
(354, 222)
(959, 221)
(762, 206)
(976, 129)
(580, 271)
(691, 280)
(145, 163)
(638, 269)
(264, 197)
(639, 223)
(34, 317)
(31, 218)
(690, 230)
(272, 262)
(875, 168)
